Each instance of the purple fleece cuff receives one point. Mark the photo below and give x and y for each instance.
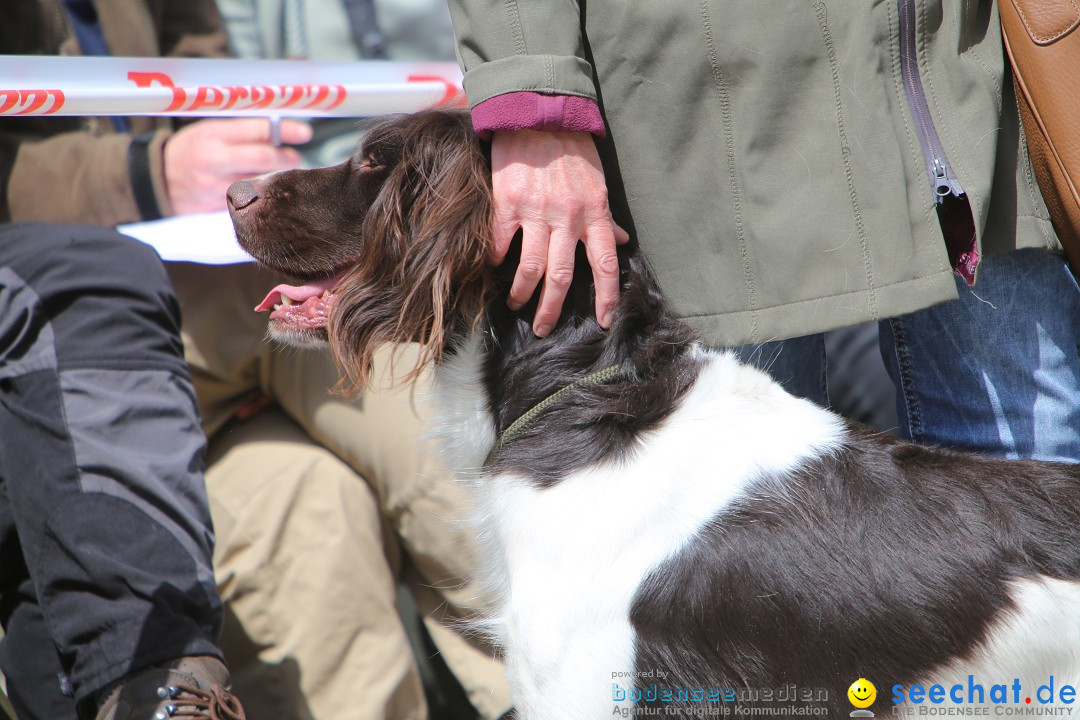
(533, 111)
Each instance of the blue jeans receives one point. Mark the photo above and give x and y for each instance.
(997, 371)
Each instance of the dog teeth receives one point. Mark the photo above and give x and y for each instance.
(285, 300)
(278, 306)
(326, 293)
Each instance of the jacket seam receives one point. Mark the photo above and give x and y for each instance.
(70, 455)
(537, 89)
(1029, 183)
(148, 25)
(480, 99)
(845, 156)
(733, 176)
(513, 16)
(850, 293)
(973, 56)
(62, 30)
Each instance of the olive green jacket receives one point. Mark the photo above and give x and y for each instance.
(765, 152)
(61, 169)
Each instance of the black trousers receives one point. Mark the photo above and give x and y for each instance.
(105, 533)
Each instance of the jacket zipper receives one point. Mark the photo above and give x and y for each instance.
(942, 180)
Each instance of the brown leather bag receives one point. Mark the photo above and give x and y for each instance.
(1042, 40)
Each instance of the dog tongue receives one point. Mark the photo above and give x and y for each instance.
(298, 294)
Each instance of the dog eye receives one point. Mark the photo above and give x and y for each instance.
(374, 160)
(381, 155)
(359, 165)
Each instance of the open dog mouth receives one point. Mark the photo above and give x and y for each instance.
(300, 308)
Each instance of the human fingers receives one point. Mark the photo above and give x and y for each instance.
(256, 159)
(509, 187)
(531, 265)
(557, 278)
(294, 132)
(552, 182)
(621, 236)
(200, 165)
(600, 242)
(256, 130)
(504, 227)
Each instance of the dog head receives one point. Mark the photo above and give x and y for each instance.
(389, 247)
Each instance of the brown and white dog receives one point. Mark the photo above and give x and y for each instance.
(684, 524)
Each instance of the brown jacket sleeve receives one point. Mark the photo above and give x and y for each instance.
(66, 170)
(79, 177)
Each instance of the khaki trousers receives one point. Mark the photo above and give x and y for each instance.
(321, 506)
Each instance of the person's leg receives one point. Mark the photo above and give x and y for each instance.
(798, 364)
(355, 638)
(101, 458)
(859, 386)
(381, 434)
(310, 596)
(225, 341)
(27, 647)
(997, 371)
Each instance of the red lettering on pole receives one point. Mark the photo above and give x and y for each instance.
(452, 94)
(30, 102)
(147, 79)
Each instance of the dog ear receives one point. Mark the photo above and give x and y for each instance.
(424, 276)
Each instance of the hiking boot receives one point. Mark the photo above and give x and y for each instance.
(191, 687)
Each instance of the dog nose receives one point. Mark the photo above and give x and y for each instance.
(241, 194)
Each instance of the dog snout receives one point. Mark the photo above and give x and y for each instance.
(241, 194)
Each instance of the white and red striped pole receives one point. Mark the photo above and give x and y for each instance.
(45, 85)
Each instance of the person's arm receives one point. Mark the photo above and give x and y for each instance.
(78, 177)
(507, 46)
(114, 178)
(532, 91)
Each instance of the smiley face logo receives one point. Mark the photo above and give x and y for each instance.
(862, 693)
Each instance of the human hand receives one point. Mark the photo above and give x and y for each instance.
(551, 185)
(203, 159)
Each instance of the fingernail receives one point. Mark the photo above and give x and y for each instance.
(543, 331)
(605, 321)
(515, 306)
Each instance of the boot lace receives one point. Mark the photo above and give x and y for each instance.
(192, 702)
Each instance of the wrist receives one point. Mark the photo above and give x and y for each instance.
(142, 186)
(146, 173)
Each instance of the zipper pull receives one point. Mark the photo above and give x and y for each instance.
(944, 185)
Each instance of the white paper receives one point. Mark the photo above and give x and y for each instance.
(205, 238)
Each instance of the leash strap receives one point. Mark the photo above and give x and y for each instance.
(600, 377)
